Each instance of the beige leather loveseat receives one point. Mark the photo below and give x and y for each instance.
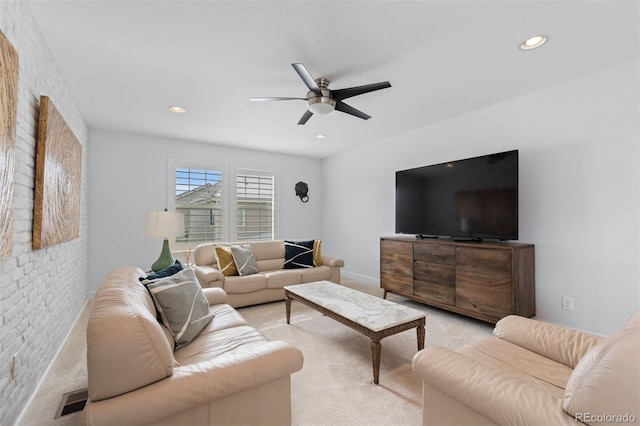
(229, 374)
(534, 373)
(267, 284)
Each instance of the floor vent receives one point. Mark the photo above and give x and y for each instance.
(72, 402)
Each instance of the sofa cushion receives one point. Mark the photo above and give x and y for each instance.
(281, 278)
(245, 284)
(226, 264)
(298, 254)
(182, 305)
(607, 378)
(215, 343)
(245, 261)
(270, 264)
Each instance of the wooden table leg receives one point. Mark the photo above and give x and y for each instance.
(287, 303)
(375, 355)
(420, 334)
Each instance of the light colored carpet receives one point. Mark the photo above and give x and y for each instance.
(335, 385)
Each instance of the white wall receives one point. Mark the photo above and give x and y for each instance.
(579, 191)
(129, 175)
(41, 291)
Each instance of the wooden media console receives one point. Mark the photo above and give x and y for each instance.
(487, 280)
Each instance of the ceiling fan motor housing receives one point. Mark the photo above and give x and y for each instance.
(321, 103)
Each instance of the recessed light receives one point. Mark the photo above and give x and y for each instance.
(320, 136)
(177, 109)
(533, 42)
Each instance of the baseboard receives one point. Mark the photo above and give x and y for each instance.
(48, 369)
(361, 278)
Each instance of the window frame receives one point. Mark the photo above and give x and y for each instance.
(229, 197)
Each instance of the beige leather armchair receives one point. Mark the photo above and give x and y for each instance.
(534, 373)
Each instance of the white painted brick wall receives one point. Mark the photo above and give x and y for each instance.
(41, 291)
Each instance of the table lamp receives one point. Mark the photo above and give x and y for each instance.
(166, 225)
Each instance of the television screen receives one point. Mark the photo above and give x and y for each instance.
(474, 198)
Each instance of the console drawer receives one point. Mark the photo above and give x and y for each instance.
(435, 254)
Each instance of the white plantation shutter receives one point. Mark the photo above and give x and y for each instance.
(198, 195)
(255, 205)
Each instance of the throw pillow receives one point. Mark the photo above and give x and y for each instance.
(226, 263)
(298, 254)
(182, 305)
(245, 261)
(317, 253)
(167, 272)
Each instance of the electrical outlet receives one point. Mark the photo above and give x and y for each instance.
(567, 303)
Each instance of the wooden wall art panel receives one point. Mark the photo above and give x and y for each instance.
(8, 113)
(56, 210)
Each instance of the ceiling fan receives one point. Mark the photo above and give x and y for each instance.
(321, 100)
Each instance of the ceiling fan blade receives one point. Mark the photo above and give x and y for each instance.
(342, 107)
(307, 78)
(276, 99)
(341, 94)
(305, 117)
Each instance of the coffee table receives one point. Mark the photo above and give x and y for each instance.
(372, 316)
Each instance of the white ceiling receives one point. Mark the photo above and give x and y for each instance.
(127, 61)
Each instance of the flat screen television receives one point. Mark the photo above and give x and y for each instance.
(471, 199)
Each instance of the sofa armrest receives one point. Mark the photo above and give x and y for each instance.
(500, 397)
(332, 261)
(215, 295)
(196, 384)
(208, 276)
(561, 344)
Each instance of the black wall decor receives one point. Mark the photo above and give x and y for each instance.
(302, 189)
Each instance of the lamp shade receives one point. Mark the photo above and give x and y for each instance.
(164, 224)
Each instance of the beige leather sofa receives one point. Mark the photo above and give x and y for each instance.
(231, 374)
(534, 373)
(267, 285)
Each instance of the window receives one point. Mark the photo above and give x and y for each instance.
(198, 195)
(216, 209)
(255, 205)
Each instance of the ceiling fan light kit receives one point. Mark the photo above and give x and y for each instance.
(321, 100)
(321, 105)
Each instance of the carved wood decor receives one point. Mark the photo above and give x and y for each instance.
(56, 210)
(8, 113)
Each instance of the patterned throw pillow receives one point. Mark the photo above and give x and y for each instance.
(183, 307)
(167, 272)
(298, 254)
(317, 253)
(245, 261)
(226, 263)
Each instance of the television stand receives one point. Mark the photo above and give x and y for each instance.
(487, 281)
